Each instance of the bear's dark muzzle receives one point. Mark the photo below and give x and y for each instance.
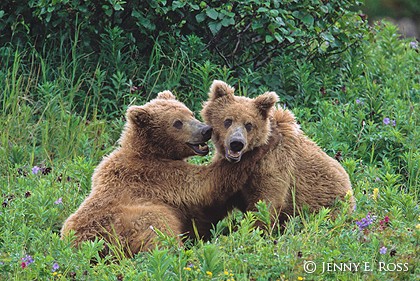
(206, 132)
(236, 145)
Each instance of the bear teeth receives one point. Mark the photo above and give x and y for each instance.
(203, 146)
(234, 154)
(200, 149)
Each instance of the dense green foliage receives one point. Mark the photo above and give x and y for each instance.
(154, 45)
(65, 85)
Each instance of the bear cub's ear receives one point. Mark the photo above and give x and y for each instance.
(138, 115)
(166, 95)
(220, 89)
(265, 103)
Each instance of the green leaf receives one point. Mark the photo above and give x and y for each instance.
(274, 13)
(1, 13)
(212, 13)
(107, 10)
(272, 27)
(262, 10)
(308, 20)
(118, 7)
(178, 4)
(324, 9)
(194, 6)
(298, 14)
(200, 17)
(327, 36)
(228, 21)
(256, 25)
(269, 38)
(278, 37)
(146, 23)
(290, 39)
(280, 21)
(215, 27)
(284, 31)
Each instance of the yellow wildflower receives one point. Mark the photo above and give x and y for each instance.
(187, 268)
(54, 273)
(418, 226)
(300, 278)
(209, 273)
(375, 193)
(226, 272)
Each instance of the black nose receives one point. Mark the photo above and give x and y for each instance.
(206, 132)
(236, 146)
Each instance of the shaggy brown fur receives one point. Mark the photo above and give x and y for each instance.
(145, 184)
(294, 174)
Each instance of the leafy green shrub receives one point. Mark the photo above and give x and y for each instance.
(231, 29)
(146, 46)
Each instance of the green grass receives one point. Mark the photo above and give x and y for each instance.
(52, 117)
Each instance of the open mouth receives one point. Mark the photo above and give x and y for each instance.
(233, 156)
(199, 148)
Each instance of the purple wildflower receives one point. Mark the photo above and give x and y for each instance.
(414, 44)
(55, 267)
(393, 123)
(35, 170)
(58, 201)
(26, 260)
(365, 222)
(383, 250)
(386, 121)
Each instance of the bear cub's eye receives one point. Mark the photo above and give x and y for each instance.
(248, 126)
(227, 123)
(178, 124)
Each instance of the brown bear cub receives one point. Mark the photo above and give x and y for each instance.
(293, 174)
(146, 184)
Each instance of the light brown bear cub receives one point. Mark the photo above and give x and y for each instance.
(294, 174)
(145, 184)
